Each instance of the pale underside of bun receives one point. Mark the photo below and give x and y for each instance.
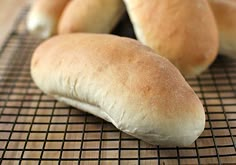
(183, 31)
(150, 137)
(225, 14)
(123, 82)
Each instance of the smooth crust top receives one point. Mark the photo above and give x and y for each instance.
(184, 31)
(225, 14)
(97, 16)
(144, 94)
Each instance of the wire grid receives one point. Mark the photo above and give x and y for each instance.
(35, 128)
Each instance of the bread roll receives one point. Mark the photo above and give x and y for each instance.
(184, 31)
(123, 82)
(225, 14)
(95, 16)
(43, 17)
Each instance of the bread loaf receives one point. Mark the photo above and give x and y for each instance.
(123, 82)
(225, 14)
(97, 16)
(184, 31)
(43, 17)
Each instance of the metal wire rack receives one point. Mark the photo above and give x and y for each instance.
(35, 128)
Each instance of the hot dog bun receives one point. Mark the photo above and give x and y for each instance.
(43, 17)
(123, 82)
(183, 31)
(94, 16)
(225, 14)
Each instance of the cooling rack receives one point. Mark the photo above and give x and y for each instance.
(36, 129)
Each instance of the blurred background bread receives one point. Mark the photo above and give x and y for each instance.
(183, 31)
(97, 16)
(225, 14)
(43, 17)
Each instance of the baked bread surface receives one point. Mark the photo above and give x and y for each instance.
(123, 82)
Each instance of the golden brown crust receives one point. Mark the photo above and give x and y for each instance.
(225, 14)
(140, 92)
(184, 31)
(91, 16)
